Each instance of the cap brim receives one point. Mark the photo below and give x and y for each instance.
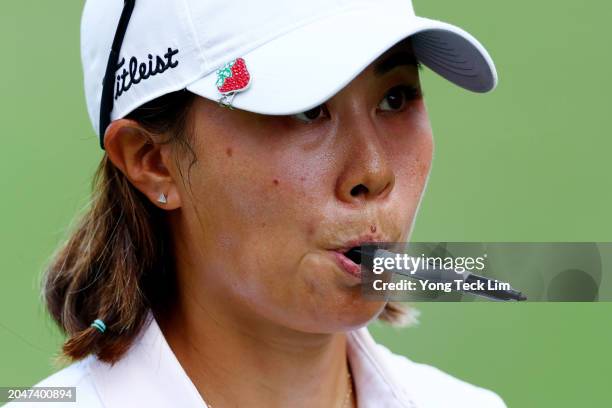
(305, 67)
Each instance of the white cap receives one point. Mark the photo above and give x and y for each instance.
(294, 54)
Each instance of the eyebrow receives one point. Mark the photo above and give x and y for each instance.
(394, 61)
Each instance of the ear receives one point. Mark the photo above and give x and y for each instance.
(144, 162)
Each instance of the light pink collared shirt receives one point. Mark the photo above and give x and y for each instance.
(149, 375)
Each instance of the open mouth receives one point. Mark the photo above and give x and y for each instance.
(353, 259)
(349, 260)
(354, 254)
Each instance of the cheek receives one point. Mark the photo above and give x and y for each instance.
(257, 199)
(411, 146)
(411, 153)
(236, 209)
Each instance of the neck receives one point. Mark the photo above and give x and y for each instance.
(235, 360)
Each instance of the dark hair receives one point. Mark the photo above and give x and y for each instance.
(117, 261)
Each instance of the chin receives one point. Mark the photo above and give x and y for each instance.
(345, 317)
(362, 314)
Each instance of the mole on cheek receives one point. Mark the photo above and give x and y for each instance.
(229, 152)
(275, 181)
(373, 228)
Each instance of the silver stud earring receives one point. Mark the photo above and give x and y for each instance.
(162, 198)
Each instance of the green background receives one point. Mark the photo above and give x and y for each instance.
(528, 162)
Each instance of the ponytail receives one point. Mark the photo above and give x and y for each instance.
(115, 253)
(116, 263)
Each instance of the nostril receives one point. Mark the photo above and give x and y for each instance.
(358, 190)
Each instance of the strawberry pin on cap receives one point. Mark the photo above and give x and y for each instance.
(232, 78)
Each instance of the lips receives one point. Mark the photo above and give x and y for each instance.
(351, 245)
(348, 265)
(347, 256)
(354, 255)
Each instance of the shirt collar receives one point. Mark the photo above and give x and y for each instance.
(150, 372)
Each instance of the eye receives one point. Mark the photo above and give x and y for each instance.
(313, 114)
(396, 98)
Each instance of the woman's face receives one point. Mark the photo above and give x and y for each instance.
(272, 201)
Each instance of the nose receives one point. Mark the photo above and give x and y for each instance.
(366, 174)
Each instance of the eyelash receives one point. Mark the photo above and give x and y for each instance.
(410, 93)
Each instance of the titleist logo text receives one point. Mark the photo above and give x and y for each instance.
(139, 71)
